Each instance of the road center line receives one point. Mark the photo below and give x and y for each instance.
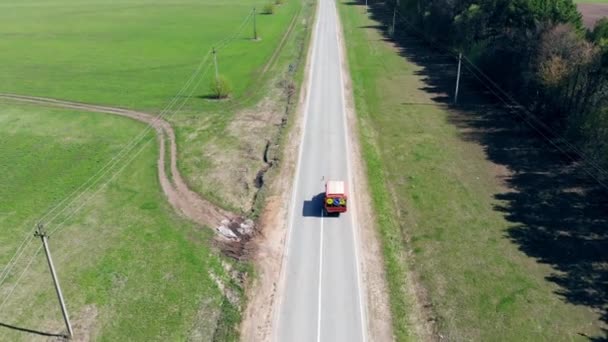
(320, 281)
(341, 58)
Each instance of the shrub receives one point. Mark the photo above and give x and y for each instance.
(268, 8)
(279, 2)
(220, 87)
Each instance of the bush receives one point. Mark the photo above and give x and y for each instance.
(279, 2)
(268, 8)
(220, 87)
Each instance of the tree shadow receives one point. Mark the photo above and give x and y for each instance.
(558, 210)
(211, 97)
(32, 331)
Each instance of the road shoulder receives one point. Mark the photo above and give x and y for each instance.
(265, 288)
(375, 289)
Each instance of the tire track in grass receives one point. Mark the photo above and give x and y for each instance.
(180, 196)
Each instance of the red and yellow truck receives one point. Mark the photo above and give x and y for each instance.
(335, 197)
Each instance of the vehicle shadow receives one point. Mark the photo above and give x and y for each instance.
(314, 207)
(31, 331)
(559, 212)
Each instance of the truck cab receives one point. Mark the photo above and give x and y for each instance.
(335, 197)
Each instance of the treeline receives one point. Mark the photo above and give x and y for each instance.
(538, 51)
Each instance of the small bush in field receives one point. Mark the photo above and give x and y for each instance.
(268, 8)
(220, 87)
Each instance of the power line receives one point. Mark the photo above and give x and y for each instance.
(93, 180)
(60, 225)
(116, 158)
(589, 161)
(174, 100)
(114, 162)
(87, 185)
(19, 279)
(511, 99)
(528, 115)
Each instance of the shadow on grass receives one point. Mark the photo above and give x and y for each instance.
(31, 331)
(209, 97)
(559, 213)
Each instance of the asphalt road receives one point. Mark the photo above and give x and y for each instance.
(322, 295)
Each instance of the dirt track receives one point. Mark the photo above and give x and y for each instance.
(179, 195)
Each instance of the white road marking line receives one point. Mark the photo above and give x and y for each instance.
(320, 281)
(282, 280)
(362, 306)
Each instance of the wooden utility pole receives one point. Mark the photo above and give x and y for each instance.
(255, 29)
(458, 78)
(217, 72)
(43, 236)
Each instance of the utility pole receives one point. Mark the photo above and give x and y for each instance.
(392, 30)
(366, 8)
(255, 29)
(458, 78)
(217, 72)
(43, 236)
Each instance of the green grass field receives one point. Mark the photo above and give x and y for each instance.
(440, 212)
(128, 265)
(135, 54)
(138, 54)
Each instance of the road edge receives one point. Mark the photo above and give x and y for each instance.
(264, 305)
(373, 275)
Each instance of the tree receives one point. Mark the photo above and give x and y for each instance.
(220, 87)
(268, 8)
(599, 35)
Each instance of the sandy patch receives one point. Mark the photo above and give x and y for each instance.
(84, 326)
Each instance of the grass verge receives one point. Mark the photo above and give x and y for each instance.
(450, 211)
(244, 133)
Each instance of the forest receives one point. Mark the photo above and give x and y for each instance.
(540, 54)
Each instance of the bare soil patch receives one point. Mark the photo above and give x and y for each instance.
(84, 325)
(592, 13)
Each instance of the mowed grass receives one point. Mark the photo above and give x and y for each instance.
(434, 194)
(130, 268)
(136, 53)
